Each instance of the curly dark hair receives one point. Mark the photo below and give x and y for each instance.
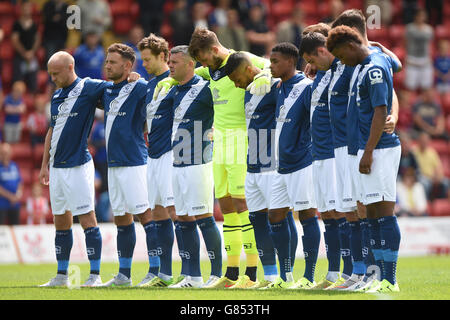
(341, 35)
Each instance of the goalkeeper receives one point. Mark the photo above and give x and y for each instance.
(229, 150)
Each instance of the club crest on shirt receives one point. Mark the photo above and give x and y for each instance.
(295, 93)
(375, 76)
(75, 92)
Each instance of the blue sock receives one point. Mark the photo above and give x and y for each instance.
(333, 248)
(165, 237)
(152, 247)
(184, 261)
(359, 267)
(63, 246)
(390, 233)
(126, 241)
(344, 241)
(281, 237)
(311, 242)
(266, 250)
(366, 250)
(93, 239)
(294, 237)
(213, 243)
(191, 240)
(375, 244)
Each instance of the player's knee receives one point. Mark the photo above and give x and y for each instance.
(88, 220)
(278, 215)
(186, 218)
(124, 220)
(63, 221)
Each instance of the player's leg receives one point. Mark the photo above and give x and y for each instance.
(257, 193)
(382, 181)
(236, 183)
(93, 239)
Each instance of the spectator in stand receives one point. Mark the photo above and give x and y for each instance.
(432, 172)
(89, 57)
(14, 106)
(291, 30)
(95, 16)
(435, 10)
(200, 14)
(135, 35)
(233, 34)
(442, 67)
(409, 8)
(181, 22)
(336, 8)
(37, 206)
(151, 15)
(243, 7)
(408, 159)
(97, 140)
(219, 16)
(419, 65)
(26, 40)
(260, 38)
(411, 197)
(10, 187)
(54, 16)
(37, 122)
(428, 116)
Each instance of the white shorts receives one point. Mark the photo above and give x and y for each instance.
(355, 176)
(159, 181)
(293, 190)
(344, 193)
(193, 189)
(381, 183)
(72, 189)
(257, 190)
(127, 189)
(324, 178)
(418, 77)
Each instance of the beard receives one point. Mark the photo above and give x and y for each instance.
(114, 76)
(216, 63)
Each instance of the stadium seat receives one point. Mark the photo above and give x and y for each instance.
(29, 102)
(396, 34)
(166, 30)
(25, 173)
(42, 79)
(445, 100)
(380, 35)
(281, 10)
(123, 24)
(6, 50)
(7, 74)
(400, 52)
(440, 207)
(21, 151)
(119, 8)
(6, 9)
(442, 32)
(38, 152)
(399, 80)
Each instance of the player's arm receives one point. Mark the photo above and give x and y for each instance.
(262, 81)
(377, 90)
(376, 130)
(391, 119)
(393, 56)
(44, 173)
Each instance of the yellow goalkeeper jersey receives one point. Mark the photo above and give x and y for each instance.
(229, 111)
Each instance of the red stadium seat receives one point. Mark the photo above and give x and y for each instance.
(21, 151)
(396, 34)
(119, 8)
(6, 9)
(38, 152)
(166, 30)
(25, 173)
(379, 35)
(281, 10)
(400, 52)
(442, 32)
(440, 207)
(42, 79)
(445, 159)
(7, 23)
(123, 24)
(29, 102)
(6, 50)
(7, 74)
(446, 103)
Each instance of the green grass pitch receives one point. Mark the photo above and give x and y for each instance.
(424, 278)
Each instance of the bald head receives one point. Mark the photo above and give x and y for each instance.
(61, 68)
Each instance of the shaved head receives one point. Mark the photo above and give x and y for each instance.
(61, 68)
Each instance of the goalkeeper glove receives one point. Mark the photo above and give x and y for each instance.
(261, 83)
(163, 87)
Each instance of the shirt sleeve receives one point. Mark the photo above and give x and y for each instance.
(203, 72)
(377, 87)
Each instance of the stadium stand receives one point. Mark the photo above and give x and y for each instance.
(125, 13)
